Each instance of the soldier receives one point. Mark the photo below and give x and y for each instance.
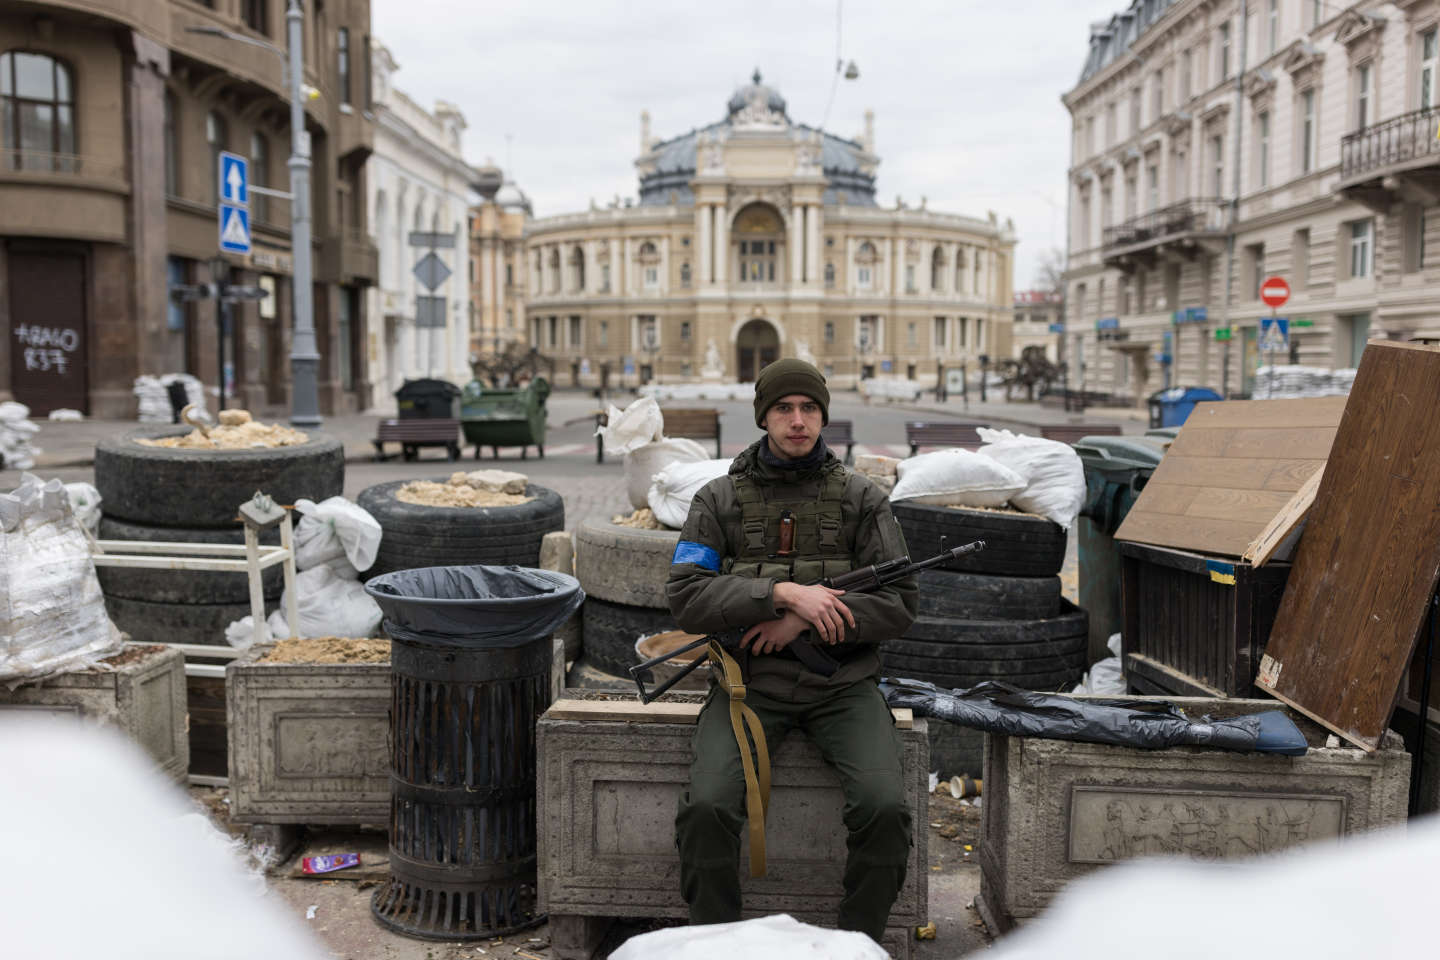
(787, 514)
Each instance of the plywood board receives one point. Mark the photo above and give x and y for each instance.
(1263, 547)
(1368, 564)
(1235, 465)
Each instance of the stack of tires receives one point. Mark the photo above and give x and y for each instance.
(417, 535)
(622, 571)
(992, 615)
(165, 494)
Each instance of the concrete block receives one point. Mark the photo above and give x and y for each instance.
(557, 552)
(142, 695)
(1054, 811)
(607, 793)
(309, 742)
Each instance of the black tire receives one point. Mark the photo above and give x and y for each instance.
(611, 629)
(175, 622)
(421, 536)
(624, 564)
(1071, 622)
(1018, 656)
(975, 596)
(182, 586)
(166, 487)
(1016, 545)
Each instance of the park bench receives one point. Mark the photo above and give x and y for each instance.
(920, 433)
(694, 424)
(840, 433)
(417, 433)
(1071, 432)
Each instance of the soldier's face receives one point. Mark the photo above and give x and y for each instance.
(793, 424)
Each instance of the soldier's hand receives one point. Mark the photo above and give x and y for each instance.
(774, 635)
(819, 606)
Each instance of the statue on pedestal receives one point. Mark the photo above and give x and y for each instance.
(714, 367)
(802, 352)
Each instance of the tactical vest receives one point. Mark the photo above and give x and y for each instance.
(820, 547)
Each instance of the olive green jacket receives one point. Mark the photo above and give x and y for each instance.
(706, 598)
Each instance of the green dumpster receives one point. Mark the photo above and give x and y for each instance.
(1116, 470)
(504, 418)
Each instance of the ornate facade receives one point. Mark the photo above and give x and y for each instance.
(755, 238)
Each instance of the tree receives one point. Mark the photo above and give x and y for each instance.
(1050, 271)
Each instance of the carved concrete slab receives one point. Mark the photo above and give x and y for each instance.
(309, 743)
(144, 698)
(1054, 810)
(607, 797)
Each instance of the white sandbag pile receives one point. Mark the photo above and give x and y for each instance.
(956, 478)
(638, 433)
(675, 486)
(334, 541)
(1291, 381)
(16, 430)
(52, 613)
(890, 388)
(153, 395)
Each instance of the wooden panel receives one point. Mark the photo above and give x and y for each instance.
(1369, 560)
(1232, 468)
(1284, 522)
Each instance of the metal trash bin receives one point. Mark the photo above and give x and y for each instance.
(1116, 470)
(1172, 407)
(505, 418)
(470, 675)
(428, 400)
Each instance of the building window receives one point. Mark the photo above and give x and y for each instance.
(259, 175)
(910, 278)
(829, 331)
(911, 340)
(1110, 132)
(684, 331)
(217, 136)
(256, 15)
(1187, 69)
(937, 269)
(509, 275)
(605, 278)
(865, 259)
(1274, 36)
(1255, 253)
(554, 327)
(1362, 95)
(342, 53)
(37, 113)
(174, 309)
(757, 261)
(577, 268)
(604, 334)
(685, 275)
(1134, 111)
(535, 325)
(1428, 69)
(1262, 124)
(962, 322)
(1300, 259)
(555, 270)
(1224, 44)
(1317, 15)
(1360, 253)
(575, 342)
(1413, 224)
(1152, 185)
(172, 148)
(1307, 131)
(1158, 103)
(939, 333)
(829, 276)
(1217, 162)
(1089, 136)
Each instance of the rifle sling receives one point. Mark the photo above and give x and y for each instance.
(757, 771)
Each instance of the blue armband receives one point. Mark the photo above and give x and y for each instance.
(688, 551)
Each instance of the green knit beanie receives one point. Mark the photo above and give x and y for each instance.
(784, 377)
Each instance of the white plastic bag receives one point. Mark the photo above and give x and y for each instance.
(956, 478)
(632, 427)
(52, 613)
(85, 501)
(329, 606)
(1106, 677)
(240, 634)
(644, 462)
(676, 485)
(780, 935)
(1054, 476)
(338, 533)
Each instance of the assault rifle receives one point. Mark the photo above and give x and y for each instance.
(869, 577)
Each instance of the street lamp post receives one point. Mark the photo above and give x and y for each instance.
(304, 355)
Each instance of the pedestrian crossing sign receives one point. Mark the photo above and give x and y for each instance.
(234, 229)
(1274, 334)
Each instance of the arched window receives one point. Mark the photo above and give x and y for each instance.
(685, 274)
(960, 270)
(218, 137)
(865, 260)
(37, 113)
(829, 275)
(577, 268)
(259, 175)
(937, 269)
(761, 236)
(649, 259)
(555, 270)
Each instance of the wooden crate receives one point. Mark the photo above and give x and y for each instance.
(1195, 625)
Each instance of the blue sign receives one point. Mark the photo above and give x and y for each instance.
(885, 366)
(234, 229)
(1057, 328)
(1107, 323)
(234, 179)
(1189, 315)
(1274, 334)
(629, 365)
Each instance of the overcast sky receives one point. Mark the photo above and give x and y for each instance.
(965, 94)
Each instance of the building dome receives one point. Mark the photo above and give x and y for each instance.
(757, 93)
(511, 197)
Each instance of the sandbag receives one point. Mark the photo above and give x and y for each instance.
(329, 605)
(633, 427)
(85, 501)
(1053, 474)
(644, 462)
(956, 478)
(52, 613)
(779, 935)
(674, 487)
(337, 533)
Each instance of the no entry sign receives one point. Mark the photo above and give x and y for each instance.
(1275, 291)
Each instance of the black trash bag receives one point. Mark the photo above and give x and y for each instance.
(997, 707)
(475, 606)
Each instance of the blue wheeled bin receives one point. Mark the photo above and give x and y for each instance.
(1172, 407)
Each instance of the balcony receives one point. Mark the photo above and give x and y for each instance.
(1398, 159)
(350, 258)
(1179, 231)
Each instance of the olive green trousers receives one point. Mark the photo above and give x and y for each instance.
(856, 734)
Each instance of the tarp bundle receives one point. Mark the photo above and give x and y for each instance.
(997, 707)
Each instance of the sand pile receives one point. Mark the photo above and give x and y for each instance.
(235, 432)
(642, 519)
(480, 488)
(329, 650)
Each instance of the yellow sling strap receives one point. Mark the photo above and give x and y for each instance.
(757, 783)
